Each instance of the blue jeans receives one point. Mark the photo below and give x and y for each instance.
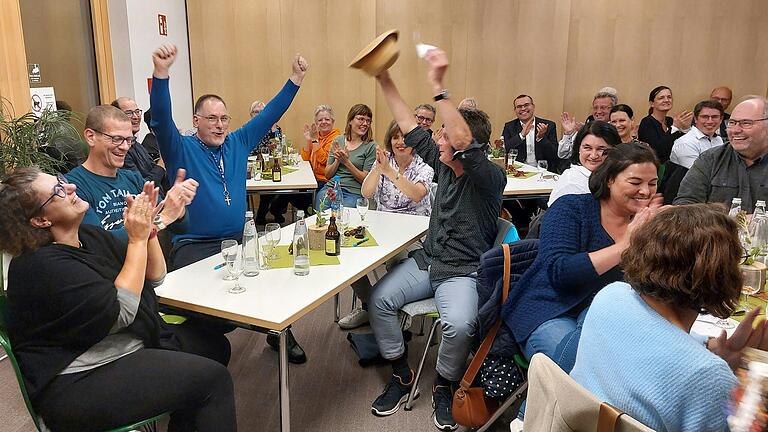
(557, 338)
(350, 199)
(456, 300)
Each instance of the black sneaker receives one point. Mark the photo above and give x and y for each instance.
(442, 398)
(394, 395)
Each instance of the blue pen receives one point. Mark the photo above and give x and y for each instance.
(219, 266)
(358, 243)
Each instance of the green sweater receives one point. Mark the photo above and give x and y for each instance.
(362, 157)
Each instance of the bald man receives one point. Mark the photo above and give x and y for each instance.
(138, 158)
(724, 95)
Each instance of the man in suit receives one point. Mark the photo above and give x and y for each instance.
(534, 138)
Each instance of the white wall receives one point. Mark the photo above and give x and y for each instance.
(134, 33)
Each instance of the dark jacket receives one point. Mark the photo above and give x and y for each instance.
(545, 149)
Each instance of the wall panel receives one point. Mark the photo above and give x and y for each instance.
(558, 51)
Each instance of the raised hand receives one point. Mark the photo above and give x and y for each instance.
(438, 64)
(570, 125)
(163, 57)
(731, 348)
(299, 66)
(382, 163)
(541, 130)
(683, 120)
(527, 127)
(307, 135)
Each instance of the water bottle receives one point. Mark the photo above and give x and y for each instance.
(300, 246)
(250, 247)
(735, 207)
(338, 203)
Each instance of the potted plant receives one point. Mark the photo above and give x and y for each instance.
(496, 152)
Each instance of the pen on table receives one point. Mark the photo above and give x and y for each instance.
(219, 266)
(358, 243)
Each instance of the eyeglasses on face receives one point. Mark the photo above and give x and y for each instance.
(525, 105)
(58, 191)
(136, 112)
(422, 119)
(705, 117)
(745, 123)
(212, 119)
(601, 151)
(363, 119)
(117, 140)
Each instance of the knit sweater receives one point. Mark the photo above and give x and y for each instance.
(562, 277)
(209, 215)
(635, 359)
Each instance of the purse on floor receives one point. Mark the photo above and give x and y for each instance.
(470, 406)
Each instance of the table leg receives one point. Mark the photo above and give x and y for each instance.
(336, 308)
(285, 404)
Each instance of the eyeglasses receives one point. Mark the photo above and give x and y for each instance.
(745, 124)
(58, 191)
(709, 117)
(117, 140)
(526, 105)
(136, 112)
(601, 151)
(212, 119)
(422, 119)
(362, 119)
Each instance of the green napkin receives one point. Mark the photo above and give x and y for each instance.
(316, 257)
(349, 241)
(753, 302)
(285, 170)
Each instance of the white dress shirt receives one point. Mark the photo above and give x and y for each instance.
(573, 181)
(688, 147)
(530, 144)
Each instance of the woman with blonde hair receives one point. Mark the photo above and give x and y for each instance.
(319, 136)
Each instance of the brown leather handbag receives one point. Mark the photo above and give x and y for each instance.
(470, 406)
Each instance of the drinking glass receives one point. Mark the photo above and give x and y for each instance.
(343, 220)
(362, 209)
(511, 157)
(273, 236)
(226, 246)
(265, 248)
(542, 164)
(233, 256)
(751, 285)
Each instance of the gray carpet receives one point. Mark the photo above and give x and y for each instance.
(330, 392)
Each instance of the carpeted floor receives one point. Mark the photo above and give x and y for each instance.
(330, 392)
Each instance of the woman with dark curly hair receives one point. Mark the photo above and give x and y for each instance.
(636, 352)
(83, 317)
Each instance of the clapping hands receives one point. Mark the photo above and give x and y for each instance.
(139, 212)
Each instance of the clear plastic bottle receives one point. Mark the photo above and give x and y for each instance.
(300, 246)
(338, 203)
(250, 247)
(735, 207)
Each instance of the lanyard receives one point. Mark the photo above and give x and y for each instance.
(219, 162)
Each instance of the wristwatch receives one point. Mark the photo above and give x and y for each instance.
(158, 222)
(442, 95)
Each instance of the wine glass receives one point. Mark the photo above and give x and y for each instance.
(234, 258)
(343, 219)
(751, 285)
(273, 237)
(227, 245)
(362, 209)
(511, 157)
(265, 248)
(542, 164)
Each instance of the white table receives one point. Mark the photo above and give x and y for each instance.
(302, 180)
(530, 187)
(277, 298)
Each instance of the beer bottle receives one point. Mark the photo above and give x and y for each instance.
(332, 238)
(276, 174)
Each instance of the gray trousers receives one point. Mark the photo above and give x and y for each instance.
(456, 300)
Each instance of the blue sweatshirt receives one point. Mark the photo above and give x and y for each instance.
(209, 216)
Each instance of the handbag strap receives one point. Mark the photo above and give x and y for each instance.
(485, 347)
(607, 417)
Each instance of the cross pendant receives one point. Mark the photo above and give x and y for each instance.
(227, 199)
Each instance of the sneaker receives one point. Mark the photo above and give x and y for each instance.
(442, 398)
(354, 319)
(394, 395)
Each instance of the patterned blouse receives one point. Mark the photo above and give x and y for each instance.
(391, 199)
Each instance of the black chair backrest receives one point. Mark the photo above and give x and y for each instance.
(670, 185)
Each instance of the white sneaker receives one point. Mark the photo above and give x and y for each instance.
(354, 319)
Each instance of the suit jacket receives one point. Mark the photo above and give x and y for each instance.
(545, 149)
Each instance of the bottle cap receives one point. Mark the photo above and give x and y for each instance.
(336, 177)
(300, 214)
(736, 201)
(249, 214)
(760, 203)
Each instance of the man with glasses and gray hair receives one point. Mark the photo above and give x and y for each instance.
(138, 158)
(602, 103)
(737, 169)
(103, 182)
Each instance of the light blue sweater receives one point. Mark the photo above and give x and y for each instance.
(635, 359)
